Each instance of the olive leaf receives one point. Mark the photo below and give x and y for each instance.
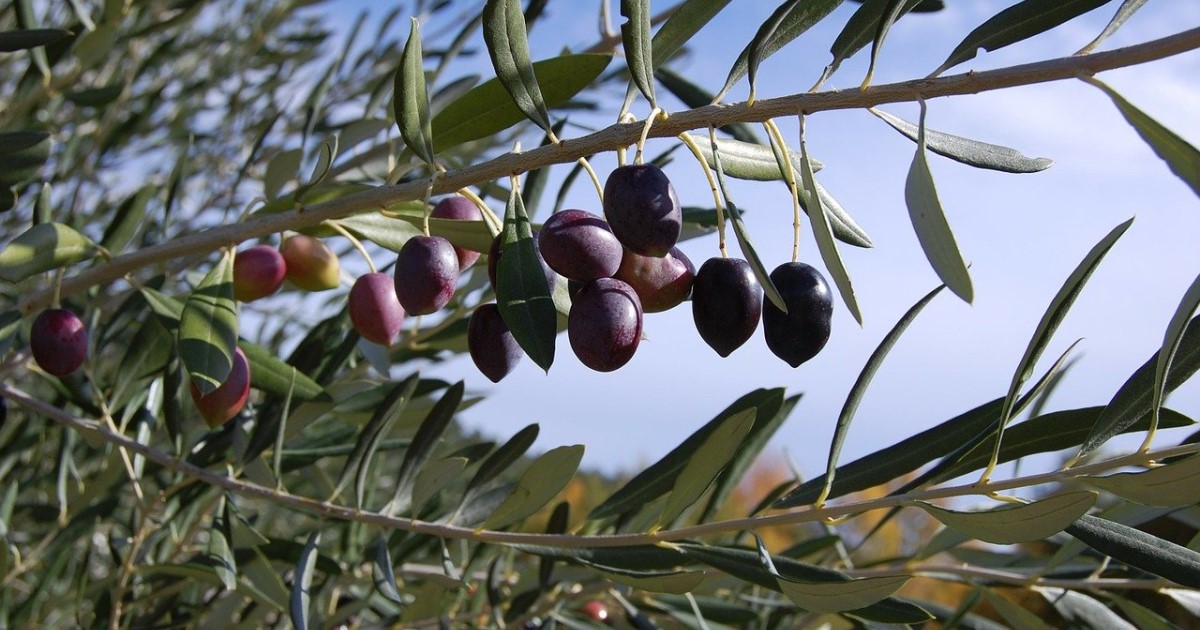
(411, 102)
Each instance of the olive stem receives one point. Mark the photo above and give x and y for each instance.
(337, 227)
(595, 180)
(621, 135)
(495, 225)
(776, 139)
(712, 186)
(654, 113)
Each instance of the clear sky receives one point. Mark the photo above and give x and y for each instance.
(1023, 235)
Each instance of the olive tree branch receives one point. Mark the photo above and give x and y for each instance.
(621, 135)
(805, 514)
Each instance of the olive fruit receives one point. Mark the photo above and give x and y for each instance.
(642, 208)
(257, 272)
(595, 610)
(496, 251)
(59, 341)
(492, 346)
(375, 311)
(311, 265)
(226, 401)
(726, 303)
(426, 274)
(579, 245)
(461, 209)
(799, 334)
(661, 283)
(605, 324)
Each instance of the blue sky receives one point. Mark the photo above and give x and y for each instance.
(1023, 235)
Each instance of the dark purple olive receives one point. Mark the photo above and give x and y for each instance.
(605, 324)
(426, 274)
(661, 283)
(642, 208)
(257, 272)
(374, 309)
(492, 346)
(59, 341)
(799, 334)
(726, 303)
(579, 245)
(227, 400)
(495, 252)
(461, 209)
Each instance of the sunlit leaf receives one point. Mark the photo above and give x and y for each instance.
(1175, 484)
(41, 248)
(675, 582)
(965, 150)
(434, 478)
(839, 595)
(359, 461)
(508, 45)
(280, 170)
(411, 104)
(707, 462)
(382, 574)
(541, 482)
(814, 206)
(271, 375)
(687, 18)
(487, 109)
(639, 51)
(1017, 23)
(208, 328)
(423, 442)
(1082, 611)
(1014, 614)
(1181, 157)
(1127, 9)
(1010, 524)
(789, 21)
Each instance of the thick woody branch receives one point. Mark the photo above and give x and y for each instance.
(621, 135)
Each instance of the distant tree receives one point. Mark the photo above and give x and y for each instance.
(176, 452)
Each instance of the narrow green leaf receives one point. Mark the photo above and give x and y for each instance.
(744, 564)
(1171, 342)
(824, 236)
(861, 29)
(687, 18)
(411, 103)
(891, 12)
(24, 39)
(221, 556)
(1046, 433)
(280, 170)
(1082, 611)
(423, 442)
(1055, 312)
(742, 234)
(503, 457)
(434, 478)
(1133, 400)
(1174, 485)
(1016, 23)
(273, 376)
(1139, 549)
(1013, 614)
(1187, 598)
(1010, 524)
(299, 604)
(382, 573)
(508, 45)
(768, 418)
(383, 230)
(487, 109)
(840, 596)
(325, 160)
(744, 160)
(541, 482)
(676, 582)
(398, 396)
(1126, 10)
(27, 20)
(473, 235)
(707, 462)
(864, 380)
(695, 96)
(965, 150)
(639, 50)
(929, 222)
(129, 218)
(1142, 617)
(790, 20)
(208, 328)
(659, 478)
(522, 293)
(41, 248)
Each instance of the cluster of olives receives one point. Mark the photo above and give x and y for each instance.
(626, 266)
